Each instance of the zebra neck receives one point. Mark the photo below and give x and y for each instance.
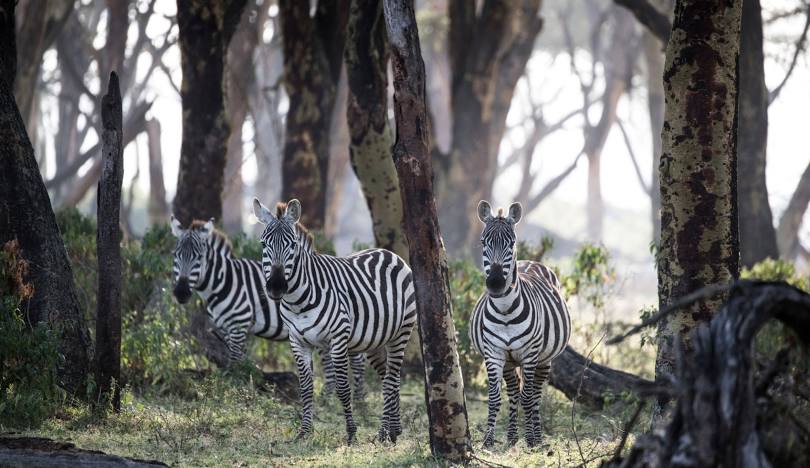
(218, 259)
(505, 301)
(300, 284)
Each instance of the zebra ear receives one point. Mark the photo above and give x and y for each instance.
(515, 212)
(177, 228)
(261, 212)
(484, 211)
(293, 210)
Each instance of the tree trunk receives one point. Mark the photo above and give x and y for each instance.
(339, 141)
(370, 150)
(26, 215)
(205, 29)
(36, 451)
(654, 60)
(158, 208)
(488, 54)
(791, 220)
(444, 386)
(108, 247)
(757, 234)
(313, 49)
(699, 244)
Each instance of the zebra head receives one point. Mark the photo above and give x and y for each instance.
(498, 243)
(189, 256)
(280, 244)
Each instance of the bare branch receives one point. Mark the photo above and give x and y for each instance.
(799, 48)
(656, 22)
(632, 154)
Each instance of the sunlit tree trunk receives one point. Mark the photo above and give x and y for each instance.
(699, 244)
(654, 60)
(158, 208)
(444, 387)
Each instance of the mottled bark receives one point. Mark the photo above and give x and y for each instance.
(792, 218)
(108, 248)
(654, 61)
(444, 387)
(488, 54)
(313, 51)
(26, 215)
(757, 234)
(205, 29)
(158, 208)
(370, 150)
(699, 244)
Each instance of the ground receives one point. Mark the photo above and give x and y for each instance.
(226, 423)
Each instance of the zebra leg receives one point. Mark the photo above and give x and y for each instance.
(358, 362)
(303, 360)
(528, 398)
(392, 382)
(378, 360)
(236, 341)
(340, 361)
(328, 372)
(494, 376)
(540, 377)
(513, 391)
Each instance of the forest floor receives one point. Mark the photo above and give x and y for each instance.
(226, 423)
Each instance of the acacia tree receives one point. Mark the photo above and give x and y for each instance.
(444, 386)
(366, 58)
(698, 167)
(26, 215)
(313, 53)
(205, 30)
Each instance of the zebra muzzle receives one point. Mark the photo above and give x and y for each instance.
(182, 291)
(276, 283)
(496, 280)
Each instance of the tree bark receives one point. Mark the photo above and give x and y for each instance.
(444, 386)
(158, 208)
(313, 51)
(205, 29)
(757, 234)
(699, 244)
(488, 54)
(370, 149)
(108, 247)
(26, 214)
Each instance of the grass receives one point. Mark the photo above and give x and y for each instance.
(227, 423)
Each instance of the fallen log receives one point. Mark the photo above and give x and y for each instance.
(719, 419)
(41, 452)
(591, 384)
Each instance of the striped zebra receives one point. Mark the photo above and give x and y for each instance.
(363, 303)
(234, 295)
(520, 321)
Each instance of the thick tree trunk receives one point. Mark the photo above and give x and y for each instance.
(339, 141)
(654, 60)
(313, 49)
(26, 215)
(699, 244)
(36, 451)
(205, 29)
(370, 150)
(158, 207)
(791, 220)
(108, 247)
(444, 386)
(757, 234)
(488, 54)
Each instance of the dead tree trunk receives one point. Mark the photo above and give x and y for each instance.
(205, 31)
(36, 451)
(26, 214)
(699, 243)
(444, 386)
(158, 208)
(370, 150)
(721, 418)
(757, 234)
(108, 247)
(313, 52)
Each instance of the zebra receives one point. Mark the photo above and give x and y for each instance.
(234, 295)
(363, 303)
(521, 320)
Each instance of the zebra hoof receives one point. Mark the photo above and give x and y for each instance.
(350, 432)
(303, 434)
(511, 440)
(489, 440)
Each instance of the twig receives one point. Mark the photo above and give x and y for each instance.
(799, 47)
(588, 361)
(687, 300)
(487, 463)
(632, 154)
(627, 428)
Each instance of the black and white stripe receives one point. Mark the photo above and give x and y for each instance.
(363, 303)
(520, 321)
(233, 291)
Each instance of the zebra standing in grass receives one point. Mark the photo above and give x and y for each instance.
(233, 291)
(520, 321)
(363, 303)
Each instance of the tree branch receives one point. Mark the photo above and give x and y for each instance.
(655, 21)
(633, 157)
(799, 48)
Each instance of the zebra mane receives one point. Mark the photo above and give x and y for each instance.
(309, 240)
(216, 237)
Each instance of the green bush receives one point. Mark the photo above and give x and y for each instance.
(591, 275)
(28, 356)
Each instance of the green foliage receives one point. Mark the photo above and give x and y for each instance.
(591, 275)
(528, 251)
(246, 247)
(28, 356)
(467, 285)
(776, 270)
(323, 244)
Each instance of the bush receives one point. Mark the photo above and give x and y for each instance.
(28, 355)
